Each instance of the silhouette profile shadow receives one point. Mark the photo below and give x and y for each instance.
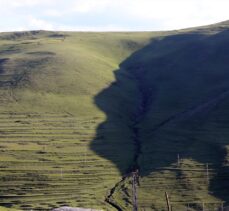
(175, 93)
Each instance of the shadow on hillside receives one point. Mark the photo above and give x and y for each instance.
(178, 62)
(2, 62)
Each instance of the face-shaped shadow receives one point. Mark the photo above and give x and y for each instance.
(174, 92)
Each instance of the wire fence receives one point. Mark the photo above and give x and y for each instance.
(201, 206)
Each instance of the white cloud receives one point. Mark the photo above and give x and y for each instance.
(35, 23)
(25, 3)
(92, 28)
(171, 14)
(85, 6)
(111, 14)
(53, 13)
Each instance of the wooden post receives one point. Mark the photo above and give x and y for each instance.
(178, 160)
(168, 202)
(134, 191)
(207, 173)
(203, 208)
(222, 207)
(188, 207)
(85, 158)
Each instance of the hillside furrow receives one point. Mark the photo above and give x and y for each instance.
(141, 111)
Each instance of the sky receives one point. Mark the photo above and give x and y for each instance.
(109, 15)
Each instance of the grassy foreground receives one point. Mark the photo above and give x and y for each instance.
(71, 103)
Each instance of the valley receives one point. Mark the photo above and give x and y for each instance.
(81, 112)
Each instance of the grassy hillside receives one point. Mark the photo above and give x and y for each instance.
(186, 91)
(49, 118)
(80, 111)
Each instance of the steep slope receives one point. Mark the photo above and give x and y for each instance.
(49, 119)
(180, 80)
(81, 111)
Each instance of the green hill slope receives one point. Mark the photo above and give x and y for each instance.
(49, 119)
(81, 111)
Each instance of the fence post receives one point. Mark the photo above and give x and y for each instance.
(134, 191)
(207, 173)
(168, 202)
(188, 207)
(178, 160)
(222, 207)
